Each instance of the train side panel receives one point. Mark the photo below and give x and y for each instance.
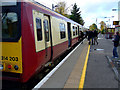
(28, 45)
(34, 53)
(59, 36)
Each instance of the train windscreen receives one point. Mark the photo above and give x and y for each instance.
(117, 29)
(11, 26)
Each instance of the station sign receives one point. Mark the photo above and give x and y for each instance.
(115, 22)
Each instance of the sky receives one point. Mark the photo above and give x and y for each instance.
(92, 11)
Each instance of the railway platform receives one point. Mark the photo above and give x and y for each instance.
(87, 66)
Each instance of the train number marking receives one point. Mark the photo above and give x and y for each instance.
(13, 58)
(9, 58)
(4, 58)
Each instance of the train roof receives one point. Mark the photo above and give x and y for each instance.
(52, 12)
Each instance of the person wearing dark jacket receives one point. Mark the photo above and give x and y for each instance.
(116, 43)
(95, 37)
(90, 35)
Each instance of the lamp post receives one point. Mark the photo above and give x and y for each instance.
(114, 9)
(53, 6)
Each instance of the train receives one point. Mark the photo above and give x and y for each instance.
(117, 28)
(33, 36)
(109, 33)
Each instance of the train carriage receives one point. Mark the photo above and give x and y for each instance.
(32, 36)
(109, 33)
(117, 28)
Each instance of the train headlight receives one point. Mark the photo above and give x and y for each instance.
(16, 67)
(1, 67)
(9, 66)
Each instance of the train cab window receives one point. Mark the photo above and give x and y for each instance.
(9, 25)
(62, 31)
(46, 28)
(74, 31)
(39, 29)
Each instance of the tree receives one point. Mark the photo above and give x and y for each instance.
(103, 26)
(61, 8)
(93, 27)
(76, 15)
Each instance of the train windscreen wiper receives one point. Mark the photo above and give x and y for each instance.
(4, 14)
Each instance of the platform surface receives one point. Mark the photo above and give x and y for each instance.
(98, 72)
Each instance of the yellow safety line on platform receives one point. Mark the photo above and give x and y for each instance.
(81, 84)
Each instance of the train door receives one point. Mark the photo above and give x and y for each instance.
(69, 34)
(46, 25)
(78, 33)
(42, 34)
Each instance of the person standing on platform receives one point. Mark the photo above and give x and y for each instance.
(92, 36)
(116, 43)
(95, 37)
(89, 37)
(86, 34)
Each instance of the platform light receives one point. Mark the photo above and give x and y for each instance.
(114, 9)
(1, 67)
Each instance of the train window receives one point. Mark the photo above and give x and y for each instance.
(9, 25)
(80, 29)
(39, 29)
(73, 31)
(76, 31)
(46, 28)
(117, 29)
(62, 31)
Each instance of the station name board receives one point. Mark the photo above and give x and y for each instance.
(115, 22)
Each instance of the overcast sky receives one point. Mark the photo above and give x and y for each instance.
(91, 9)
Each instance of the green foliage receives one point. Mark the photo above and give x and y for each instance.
(61, 8)
(76, 15)
(93, 27)
(103, 26)
(103, 31)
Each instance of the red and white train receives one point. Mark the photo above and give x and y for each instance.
(32, 36)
